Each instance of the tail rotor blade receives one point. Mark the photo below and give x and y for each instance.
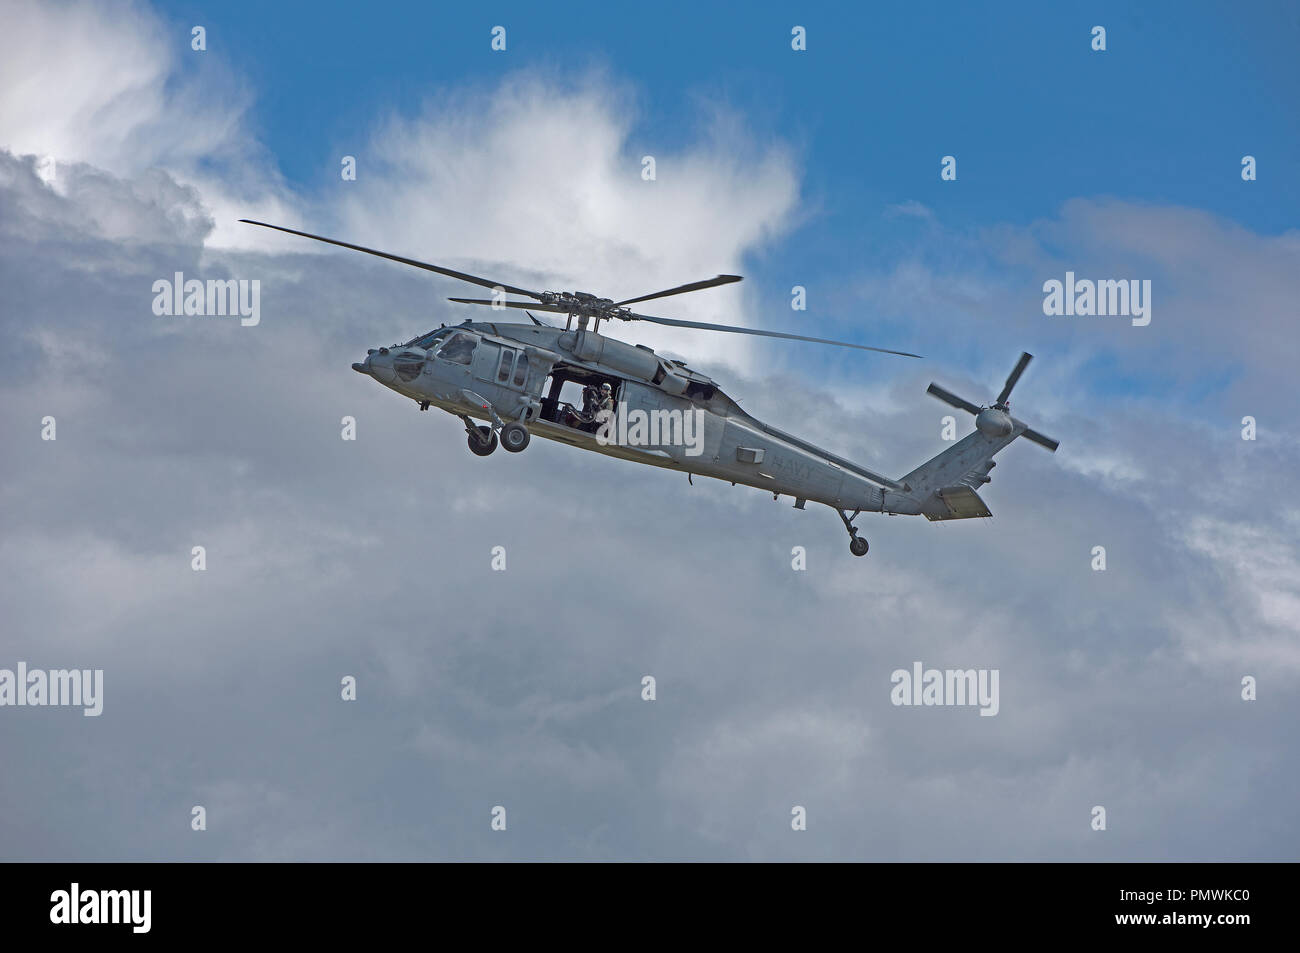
(948, 397)
(1041, 439)
(1025, 358)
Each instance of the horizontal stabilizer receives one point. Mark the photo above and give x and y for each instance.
(955, 503)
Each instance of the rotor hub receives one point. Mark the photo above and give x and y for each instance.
(583, 304)
(994, 422)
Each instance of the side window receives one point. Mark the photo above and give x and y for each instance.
(409, 365)
(459, 348)
(521, 370)
(507, 362)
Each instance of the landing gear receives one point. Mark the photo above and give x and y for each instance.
(482, 441)
(515, 436)
(858, 545)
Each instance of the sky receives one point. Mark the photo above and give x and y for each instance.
(127, 156)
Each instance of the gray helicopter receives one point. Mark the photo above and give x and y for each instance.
(585, 389)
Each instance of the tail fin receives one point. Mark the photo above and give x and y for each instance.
(945, 485)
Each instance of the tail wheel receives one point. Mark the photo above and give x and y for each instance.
(482, 441)
(514, 437)
(858, 546)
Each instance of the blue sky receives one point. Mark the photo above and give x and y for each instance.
(1033, 115)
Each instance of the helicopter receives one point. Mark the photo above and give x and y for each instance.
(515, 378)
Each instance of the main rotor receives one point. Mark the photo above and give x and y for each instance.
(581, 306)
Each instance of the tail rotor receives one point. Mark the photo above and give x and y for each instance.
(995, 420)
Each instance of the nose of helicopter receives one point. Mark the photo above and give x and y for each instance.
(379, 365)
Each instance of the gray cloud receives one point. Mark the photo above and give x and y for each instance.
(478, 688)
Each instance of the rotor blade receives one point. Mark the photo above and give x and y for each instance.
(948, 397)
(1041, 439)
(472, 279)
(1019, 369)
(527, 305)
(672, 322)
(682, 289)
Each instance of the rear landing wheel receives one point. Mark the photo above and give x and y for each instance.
(482, 441)
(858, 546)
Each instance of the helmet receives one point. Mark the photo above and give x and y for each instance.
(605, 388)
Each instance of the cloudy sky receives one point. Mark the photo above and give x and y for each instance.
(126, 156)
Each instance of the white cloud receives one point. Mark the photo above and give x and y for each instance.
(116, 86)
(535, 179)
(536, 183)
(1260, 563)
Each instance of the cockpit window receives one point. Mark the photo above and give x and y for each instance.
(459, 348)
(428, 340)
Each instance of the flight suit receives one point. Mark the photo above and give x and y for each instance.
(604, 411)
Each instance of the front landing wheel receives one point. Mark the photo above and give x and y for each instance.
(858, 546)
(514, 436)
(482, 441)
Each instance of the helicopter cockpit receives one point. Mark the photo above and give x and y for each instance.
(450, 344)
